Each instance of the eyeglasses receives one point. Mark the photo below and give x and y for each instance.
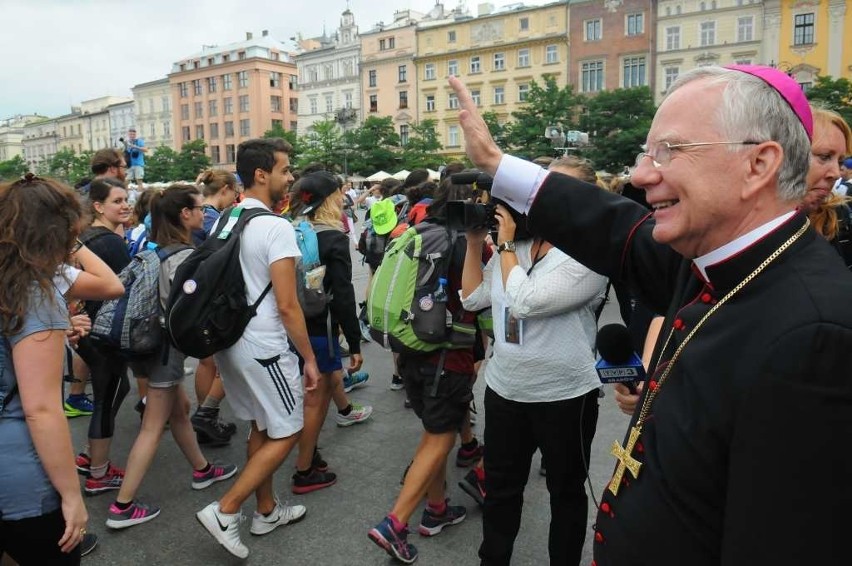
(662, 154)
(120, 166)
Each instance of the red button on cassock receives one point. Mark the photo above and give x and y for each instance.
(605, 507)
(706, 297)
(652, 385)
(678, 324)
(599, 537)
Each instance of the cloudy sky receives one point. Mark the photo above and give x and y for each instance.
(56, 53)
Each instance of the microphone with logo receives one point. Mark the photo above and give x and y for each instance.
(618, 362)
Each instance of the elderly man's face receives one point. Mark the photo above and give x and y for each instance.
(696, 196)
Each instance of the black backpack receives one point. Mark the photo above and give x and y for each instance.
(207, 309)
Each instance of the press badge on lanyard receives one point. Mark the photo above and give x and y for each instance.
(513, 328)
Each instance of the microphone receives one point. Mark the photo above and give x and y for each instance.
(618, 362)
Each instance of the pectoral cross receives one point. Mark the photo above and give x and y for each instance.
(625, 460)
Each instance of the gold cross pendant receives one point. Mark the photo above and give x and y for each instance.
(625, 460)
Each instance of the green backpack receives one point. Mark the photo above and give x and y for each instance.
(407, 305)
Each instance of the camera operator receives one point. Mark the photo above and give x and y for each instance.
(134, 152)
(542, 388)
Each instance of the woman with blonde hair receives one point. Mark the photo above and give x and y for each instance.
(829, 212)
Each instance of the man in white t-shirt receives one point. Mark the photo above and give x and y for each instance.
(259, 372)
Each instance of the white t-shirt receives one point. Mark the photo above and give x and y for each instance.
(66, 276)
(265, 240)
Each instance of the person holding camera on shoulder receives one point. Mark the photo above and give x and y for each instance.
(542, 388)
(134, 154)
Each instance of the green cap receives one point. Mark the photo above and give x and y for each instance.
(383, 215)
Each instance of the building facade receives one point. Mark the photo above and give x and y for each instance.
(329, 82)
(12, 135)
(696, 33)
(808, 38)
(497, 55)
(226, 95)
(121, 118)
(388, 79)
(612, 44)
(152, 106)
(41, 142)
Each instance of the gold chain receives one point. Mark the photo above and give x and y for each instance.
(652, 394)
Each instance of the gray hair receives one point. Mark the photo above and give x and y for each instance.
(753, 110)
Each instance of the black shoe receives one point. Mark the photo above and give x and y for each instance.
(208, 429)
(230, 428)
(140, 408)
(313, 481)
(88, 544)
(471, 485)
(317, 462)
(407, 403)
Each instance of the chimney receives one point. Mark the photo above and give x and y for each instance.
(265, 32)
(248, 35)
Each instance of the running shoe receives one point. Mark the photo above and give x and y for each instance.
(88, 544)
(136, 514)
(357, 414)
(354, 380)
(224, 528)
(281, 515)
(78, 406)
(215, 473)
(313, 481)
(474, 487)
(432, 524)
(395, 543)
(111, 480)
(466, 457)
(84, 463)
(396, 383)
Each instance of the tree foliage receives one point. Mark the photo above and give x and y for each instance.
(372, 147)
(617, 122)
(278, 131)
(545, 105)
(422, 148)
(165, 165)
(835, 94)
(14, 168)
(320, 144)
(68, 166)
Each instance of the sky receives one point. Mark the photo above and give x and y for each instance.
(57, 53)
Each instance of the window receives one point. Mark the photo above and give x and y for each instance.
(523, 92)
(677, 10)
(391, 42)
(215, 157)
(452, 136)
(634, 72)
(635, 24)
(475, 65)
(668, 10)
(230, 153)
(245, 127)
(745, 28)
(244, 103)
(452, 101)
(551, 54)
(294, 105)
(196, 87)
(167, 129)
(429, 72)
(592, 76)
(211, 84)
(523, 57)
(402, 72)
(708, 33)
(152, 131)
(184, 132)
(403, 134)
(226, 82)
(313, 73)
(524, 24)
(499, 61)
(672, 38)
(313, 103)
(229, 129)
(241, 55)
(184, 111)
(803, 29)
(499, 95)
(329, 103)
(214, 131)
(403, 99)
(227, 106)
(328, 71)
(184, 91)
(275, 79)
(383, 44)
(475, 96)
(199, 109)
(166, 103)
(347, 99)
(242, 79)
(702, 6)
(430, 103)
(213, 108)
(277, 124)
(371, 78)
(374, 103)
(453, 67)
(671, 75)
(593, 30)
(275, 103)
(199, 132)
(451, 36)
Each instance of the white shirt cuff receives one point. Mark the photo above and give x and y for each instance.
(517, 182)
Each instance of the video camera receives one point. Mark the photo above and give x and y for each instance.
(463, 215)
(129, 148)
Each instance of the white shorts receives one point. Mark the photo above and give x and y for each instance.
(264, 387)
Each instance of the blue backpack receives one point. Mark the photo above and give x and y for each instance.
(310, 271)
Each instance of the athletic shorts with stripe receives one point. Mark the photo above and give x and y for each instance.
(264, 387)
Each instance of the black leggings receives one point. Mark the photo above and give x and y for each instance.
(35, 541)
(108, 373)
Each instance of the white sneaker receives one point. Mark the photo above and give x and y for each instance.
(281, 515)
(358, 414)
(224, 528)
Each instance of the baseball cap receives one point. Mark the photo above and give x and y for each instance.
(383, 215)
(315, 187)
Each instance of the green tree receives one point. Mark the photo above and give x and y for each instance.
(321, 144)
(160, 164)
(190, 161)
(14, 168)
(617, 122)
(835, 94)
(422, 148)
(373, 146)
(500, 132)
(278, 131)
(545, 105)
(68, 166)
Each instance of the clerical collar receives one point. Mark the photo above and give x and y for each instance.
(736, 246)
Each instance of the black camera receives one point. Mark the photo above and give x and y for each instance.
(474, 177)
(463, 216)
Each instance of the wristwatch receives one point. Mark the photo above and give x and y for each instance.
(507, 246)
